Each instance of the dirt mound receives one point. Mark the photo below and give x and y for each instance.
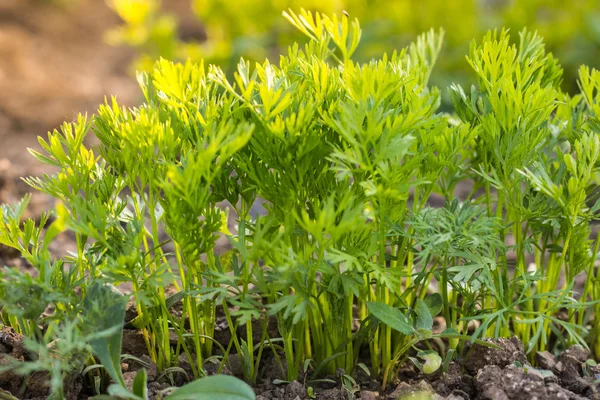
(53, 64)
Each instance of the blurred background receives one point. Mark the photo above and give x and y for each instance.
(61, 57)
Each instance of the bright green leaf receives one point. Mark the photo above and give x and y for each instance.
(216, 387)
(391, 316)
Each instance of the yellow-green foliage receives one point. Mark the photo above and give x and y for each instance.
(254, 30)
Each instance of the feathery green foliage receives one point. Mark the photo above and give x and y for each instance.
(347, 158)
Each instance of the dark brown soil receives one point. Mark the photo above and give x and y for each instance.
(484, 374)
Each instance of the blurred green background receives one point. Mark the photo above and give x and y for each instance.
(255, 30)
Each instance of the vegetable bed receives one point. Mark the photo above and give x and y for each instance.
(346, 281)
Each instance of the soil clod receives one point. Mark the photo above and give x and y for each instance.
(133, 343)
(515, 383)
(13, 343)
(509, 351)
(545, 360)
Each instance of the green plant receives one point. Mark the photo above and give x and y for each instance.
(512, 107)
(417, 327)
(108, 308)
(216, 387)
(346, 157)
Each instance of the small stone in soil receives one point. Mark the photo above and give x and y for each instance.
(128, 377)
(545, 359)
(368, 395)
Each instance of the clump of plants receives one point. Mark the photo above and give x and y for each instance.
(349, 254)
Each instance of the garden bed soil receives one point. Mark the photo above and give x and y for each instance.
(484, 374)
